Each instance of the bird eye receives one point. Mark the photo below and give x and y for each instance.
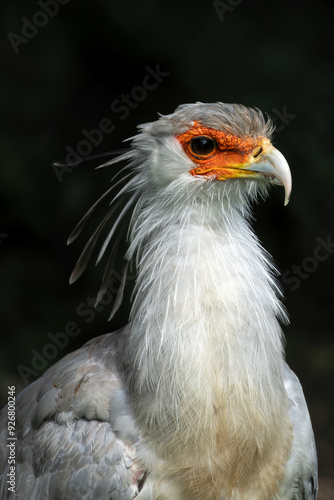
(202, 145)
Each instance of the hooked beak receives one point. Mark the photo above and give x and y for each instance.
(273, 167)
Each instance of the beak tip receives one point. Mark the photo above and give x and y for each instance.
(275, 164)
(287, 191)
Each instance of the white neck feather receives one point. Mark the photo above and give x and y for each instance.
(204, 341)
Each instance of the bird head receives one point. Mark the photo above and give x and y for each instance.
(222, 151)
(227, 143)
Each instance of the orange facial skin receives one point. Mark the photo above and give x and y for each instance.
(230, 155)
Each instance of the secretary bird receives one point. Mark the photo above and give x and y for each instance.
(193, 398)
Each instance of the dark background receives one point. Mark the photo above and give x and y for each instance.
(64, 78)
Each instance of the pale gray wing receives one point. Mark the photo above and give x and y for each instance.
(75, 435)
(301, 480)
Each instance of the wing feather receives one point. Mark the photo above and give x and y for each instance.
(301, 481)
(68, 442)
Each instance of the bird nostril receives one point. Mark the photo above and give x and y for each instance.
(257, 152)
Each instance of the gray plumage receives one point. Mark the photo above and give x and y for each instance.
(193, 398)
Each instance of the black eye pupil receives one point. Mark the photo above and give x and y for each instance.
(202, 145)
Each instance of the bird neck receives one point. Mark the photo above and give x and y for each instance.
(204, 342)
(205, 287)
